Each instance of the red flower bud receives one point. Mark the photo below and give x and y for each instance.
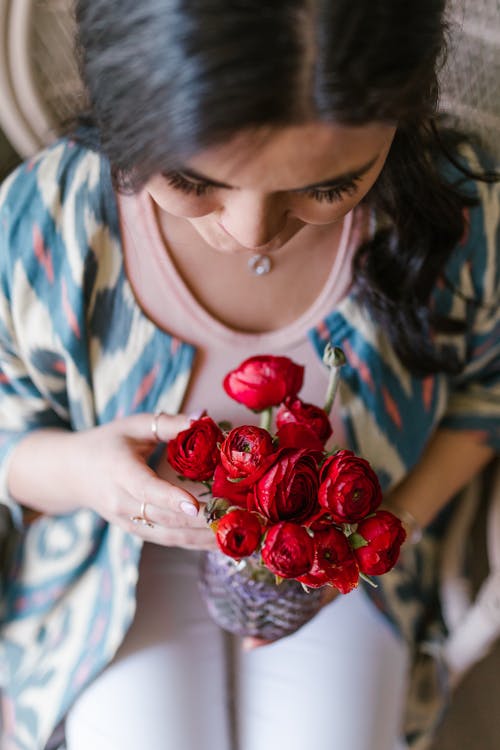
(238, 533)
(288, 550)
(232, 491)
(288, 490)
(384, 534)
(193, 453)
(349, 487)
(264, 381)
(296, 412)
(246, 452)
(334, 562)
(298, 436)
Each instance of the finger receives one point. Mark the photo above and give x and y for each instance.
(155, 427)
(168, 426)
(186, 538)
(200, 539)
(161, 516)
(146, 486)
(173, 528)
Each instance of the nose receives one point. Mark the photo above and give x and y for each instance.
(253, 221)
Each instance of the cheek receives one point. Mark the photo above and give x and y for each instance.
(184, 206)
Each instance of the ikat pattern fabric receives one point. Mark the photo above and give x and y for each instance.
(77, 351)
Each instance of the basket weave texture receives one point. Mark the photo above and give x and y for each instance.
(245, 603)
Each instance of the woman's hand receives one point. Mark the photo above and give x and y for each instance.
(122, 486)
(105, 468)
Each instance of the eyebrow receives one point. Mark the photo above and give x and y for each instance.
(353, 174)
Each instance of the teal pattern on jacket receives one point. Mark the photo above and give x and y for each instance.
(77, 351)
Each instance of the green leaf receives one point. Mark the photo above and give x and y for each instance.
(335, 449)
(215, 508)
(225, 426)
(357, 541)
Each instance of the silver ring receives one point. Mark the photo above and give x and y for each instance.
(154, 426)
(142, 517)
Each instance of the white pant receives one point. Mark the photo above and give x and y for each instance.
(179, 683)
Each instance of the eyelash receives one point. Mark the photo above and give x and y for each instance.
(330, 195)
(177, 181)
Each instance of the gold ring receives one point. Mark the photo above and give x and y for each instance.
(142, 518)
(154, 426)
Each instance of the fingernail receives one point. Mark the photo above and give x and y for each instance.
(188, 508)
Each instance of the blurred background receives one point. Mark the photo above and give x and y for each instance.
(40, 89)
(39, 82)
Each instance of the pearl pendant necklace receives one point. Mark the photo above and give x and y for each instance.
(259, 264)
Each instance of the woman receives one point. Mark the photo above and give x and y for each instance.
(282, 153)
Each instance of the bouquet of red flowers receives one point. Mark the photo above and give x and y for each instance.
(283, 508)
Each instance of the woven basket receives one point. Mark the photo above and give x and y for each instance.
(247, 602)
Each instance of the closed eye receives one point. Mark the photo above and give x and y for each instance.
(334, 193)
(191, 186)
(188, 185)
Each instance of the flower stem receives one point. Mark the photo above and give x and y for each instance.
(266, 417)
(334, 358)
(368, 580)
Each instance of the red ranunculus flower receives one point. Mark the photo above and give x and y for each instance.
(319, 520)
(298, 436)
(264, 381)
(288, 550)
(232, 491)
(288, 490)
(194, 452)
(238, 533)
(349, 487)
(246, 452)
(315, 579)
(297, 412)
(333, 561)
(384, 534)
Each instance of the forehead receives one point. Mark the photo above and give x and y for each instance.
(279, 159)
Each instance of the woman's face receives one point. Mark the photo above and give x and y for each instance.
(249, 196)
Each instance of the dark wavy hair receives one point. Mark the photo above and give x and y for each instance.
(169, 78)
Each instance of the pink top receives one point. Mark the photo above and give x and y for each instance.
(159, 287)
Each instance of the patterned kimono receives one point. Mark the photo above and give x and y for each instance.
(77, 351)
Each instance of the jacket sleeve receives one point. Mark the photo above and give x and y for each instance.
(470, 292)
(32, 362)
